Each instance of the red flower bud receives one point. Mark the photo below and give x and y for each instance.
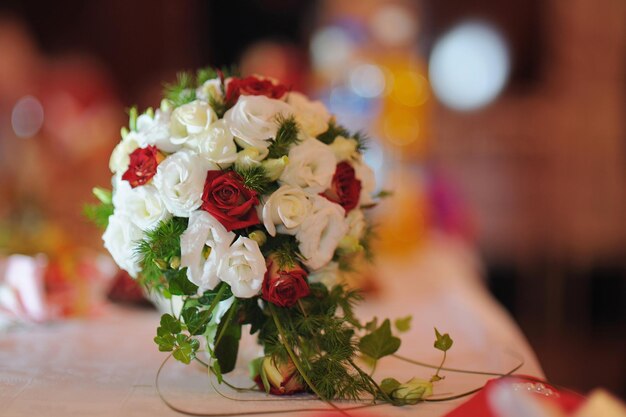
(143, 165)
(284, 286)
(345, 188)
(253, 86)
(283, 379)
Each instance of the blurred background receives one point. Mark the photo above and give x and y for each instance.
(498, 124)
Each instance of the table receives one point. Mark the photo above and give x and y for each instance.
(106, 365)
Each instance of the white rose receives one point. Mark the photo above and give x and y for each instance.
(311, 166)
(321, 232)
(243, 268)
(312, 116)
(253, 120)
(190, 119)
(327, 275)
(249, 157)
(368, 182)
(142, 204)
(216, 144)
(344, 149)
(356, 225)
(156, 131)
(180, 180)
(210, 88)
(286, 208)
(120, 157)
(204, 230)
(355, 221)
(120, 238)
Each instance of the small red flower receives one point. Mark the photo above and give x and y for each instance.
(284, 286)
(345, 188)
(283, 378)
(229, 201)
(143, 165)
(253, 86)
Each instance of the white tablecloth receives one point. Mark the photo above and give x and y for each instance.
(106, 366)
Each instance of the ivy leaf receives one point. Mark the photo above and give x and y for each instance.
(403, 324)
(380, 342)
(371, 325)
(170, 324)
(184, 352)
(196, 321)
(166, 342)
(442, 342)
(389, 385)
(179, 284)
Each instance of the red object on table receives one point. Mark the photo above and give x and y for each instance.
(479, 404)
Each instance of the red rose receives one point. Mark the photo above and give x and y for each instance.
(229, 201)
(284, 286)
(143, 165)
(283, 378)
(253, 86)
(345, 188)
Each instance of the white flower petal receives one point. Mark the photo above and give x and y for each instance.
(311, 166)
(321, 232)
(204, 230)
(243, 268)
(286, 208)
(120, 238)
(253, 120)
(180, 180)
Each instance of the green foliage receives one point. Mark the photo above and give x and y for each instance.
(286, 136)
(170, 339)
(389, 385)
(369, 237)
(332, 132)
(403, 324)
(183, 91)
(218, 104)
(227, 340)
(209, 73)
(442, 342)
(380, 342)
(335, 130)
(361, 139)
(132, 118)
(285, 250)
(383, 194)
(196, 320)
(176, 335)
(323, 334)
(178, 283)
(255, 178)
(98, 214)
(155, 252)
(103, 195)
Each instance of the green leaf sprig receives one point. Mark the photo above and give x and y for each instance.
(443, 343)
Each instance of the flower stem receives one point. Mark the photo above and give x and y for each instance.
(296, 361)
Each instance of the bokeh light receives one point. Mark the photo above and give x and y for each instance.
(367, 80)
(27, 117)
(469, 66)
(331, 47)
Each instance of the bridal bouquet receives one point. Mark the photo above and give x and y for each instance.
(247, 200)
